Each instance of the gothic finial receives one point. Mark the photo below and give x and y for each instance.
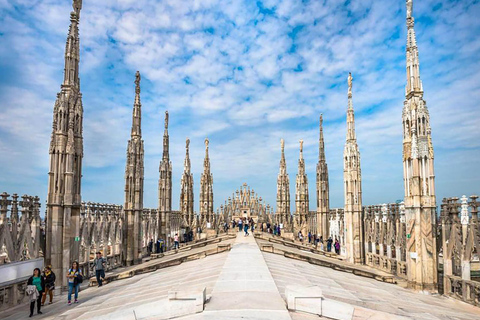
(301, 146)
(206, 143)
(409, 8)
(282, 144)
(187, 144)
(321, 121)
(137, 82)
(77, 6)
(166, 120)
(350, 79)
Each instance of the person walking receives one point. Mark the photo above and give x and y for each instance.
(245, 229)
(157, 246)
(240, 224)
(279, 232)
(150, 247)
(74, 277)
(252, 225)
(300, 236)
(275, 229)
(49, 278)
(329, 244)
(337, 246)
(321, 243)
(37, 287)
(176, 242)
(99, 262)
(309, 237)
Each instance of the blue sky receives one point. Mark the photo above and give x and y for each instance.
(245, 74)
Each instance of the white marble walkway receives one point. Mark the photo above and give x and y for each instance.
(245, 288)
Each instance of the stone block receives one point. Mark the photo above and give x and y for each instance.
(337, 310)
(191, 300)
(305, 299)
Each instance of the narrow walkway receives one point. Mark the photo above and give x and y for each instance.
(245, 288)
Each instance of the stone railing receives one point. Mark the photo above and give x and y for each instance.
(465, 290)
(21, 234)
(389, 265)
(461, 247)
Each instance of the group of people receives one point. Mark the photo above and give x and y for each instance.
(313, 239)
(42, 284)
(244, 224)
(276, 230)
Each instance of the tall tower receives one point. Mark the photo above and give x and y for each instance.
(301, 194)
(283, 192)
(66, 154)
(186, 189)
(206, 191)
(418, 173)
(165, 187)
(352, 177)
(134, 185)
(323, 204)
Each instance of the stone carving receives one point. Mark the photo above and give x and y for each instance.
(409, 8)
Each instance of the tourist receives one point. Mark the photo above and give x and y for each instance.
(278, 231)
(300, 236)
(74, 277)
(268, 227)
(337, 246)
(176, 242)
(150, 247)
(275, 229)
(36, 295)
(158, 246)
(225, 227)
(329, 244)
(99, 262)
(320, 240)
(240, 225)
(309, 237)
(252, 225)
(49, 278)
(245, 229)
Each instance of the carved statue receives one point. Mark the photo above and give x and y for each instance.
(137, 82)
(77, 5)
(187, 143)
(350, 79)
(206, 143)
(301, 145)
(409, 8)
(166, 119)
(282, 143)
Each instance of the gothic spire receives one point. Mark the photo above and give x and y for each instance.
(350, 113)
(166, 155)
(72, 48)
(283, 163)
(301, 161)
(321, 142)
(414, 84)
(206, 162)
(187, 165)
(137, 109)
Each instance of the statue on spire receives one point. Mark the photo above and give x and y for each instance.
(206, 143)
(166, 120)
(301, 146)
(137, 82)
(77, 6)
(409, 8)
(187, 144)
(350, 79)
(282, 144)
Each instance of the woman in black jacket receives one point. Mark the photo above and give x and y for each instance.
(36, 280)
(49, 277)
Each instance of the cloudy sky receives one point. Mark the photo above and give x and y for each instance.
(245, 74)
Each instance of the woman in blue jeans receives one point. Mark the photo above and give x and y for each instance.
(73, 277)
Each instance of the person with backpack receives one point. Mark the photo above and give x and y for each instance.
(75, 278)
(35, 289)
(329, 244)
(99, 262)
(337, 246)
(49, 278)
(176, 242)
